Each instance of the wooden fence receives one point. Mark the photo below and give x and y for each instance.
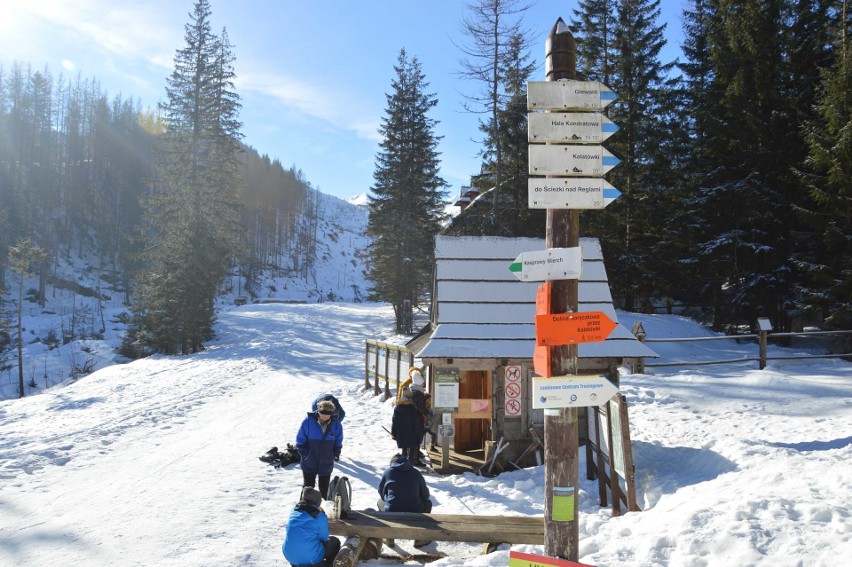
(385, 361)
(762, 337)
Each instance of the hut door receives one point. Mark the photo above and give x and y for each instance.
(471, 433)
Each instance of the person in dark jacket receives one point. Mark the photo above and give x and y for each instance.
(403, 488)
(307, 542)
(319, 442)
(407, 427)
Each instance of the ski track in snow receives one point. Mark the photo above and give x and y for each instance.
(156, 462)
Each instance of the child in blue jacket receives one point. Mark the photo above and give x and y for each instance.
(307, 543)
(319, 442)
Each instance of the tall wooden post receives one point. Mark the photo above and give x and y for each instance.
(561, 430)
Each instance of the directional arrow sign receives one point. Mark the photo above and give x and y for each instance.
(571, 193)
(550, 264)
(568, 95)
(572, 161)
(570, 127)
(572, 328)
(571, 391)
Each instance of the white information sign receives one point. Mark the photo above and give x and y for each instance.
(570, 127)
(570, 193)
(570, 160)
(568, 95)
(571, 391)
(446, 395)
(550, 264)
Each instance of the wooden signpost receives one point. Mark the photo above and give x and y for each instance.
(565, 144)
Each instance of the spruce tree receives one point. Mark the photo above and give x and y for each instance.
(513, 215)
(193, 213)
(491, 27)
(406, 205)
(826, 255)
(743, 194)
(619, 45)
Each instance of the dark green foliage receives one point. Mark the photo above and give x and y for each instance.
(619, 44)
(193, 212)
(752, 83)
(406, 208)
(824, 246)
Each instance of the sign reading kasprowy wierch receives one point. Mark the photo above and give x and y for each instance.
(550, 264)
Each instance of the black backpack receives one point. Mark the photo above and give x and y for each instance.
(281, 459)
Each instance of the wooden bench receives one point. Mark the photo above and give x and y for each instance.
(367, 525)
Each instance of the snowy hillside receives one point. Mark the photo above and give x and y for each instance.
(155, 463)
(97, 326)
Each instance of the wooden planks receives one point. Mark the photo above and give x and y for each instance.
(440, 527)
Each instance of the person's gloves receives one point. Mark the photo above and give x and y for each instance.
(302, 450)
(337, 453)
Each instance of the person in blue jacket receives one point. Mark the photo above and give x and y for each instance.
(307, 543)
(319, 442)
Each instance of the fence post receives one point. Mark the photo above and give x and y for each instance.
(377, 391)
(366, 365)
(764, 326)
(639, 332)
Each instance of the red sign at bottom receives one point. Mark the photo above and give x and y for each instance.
(518, 559)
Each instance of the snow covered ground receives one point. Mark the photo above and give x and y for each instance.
(154, 462)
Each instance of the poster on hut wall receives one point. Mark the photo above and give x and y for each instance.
(446, 397)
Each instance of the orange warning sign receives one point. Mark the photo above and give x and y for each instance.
(541, 361)
(572, 328)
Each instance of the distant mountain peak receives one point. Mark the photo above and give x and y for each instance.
(359, 199)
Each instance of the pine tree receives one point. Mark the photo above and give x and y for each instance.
(491, 27)
(193, 212)
(826, 256)
(514, 216)
(406, 206)
(743, 193)
(593, 28)
(22, 257)
(619, 45)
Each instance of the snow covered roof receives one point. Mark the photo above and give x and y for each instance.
(481, 310)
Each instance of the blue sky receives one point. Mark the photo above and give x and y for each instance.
(312, 74)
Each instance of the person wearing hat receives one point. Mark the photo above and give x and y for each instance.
(319, 442)
(415, 382)
(306, 542)
(407, 426)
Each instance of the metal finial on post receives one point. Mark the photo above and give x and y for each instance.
(560, 58)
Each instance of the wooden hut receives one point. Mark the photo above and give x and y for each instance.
(479, 343)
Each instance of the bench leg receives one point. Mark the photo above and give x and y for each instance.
(490, 548)
(356, 548)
